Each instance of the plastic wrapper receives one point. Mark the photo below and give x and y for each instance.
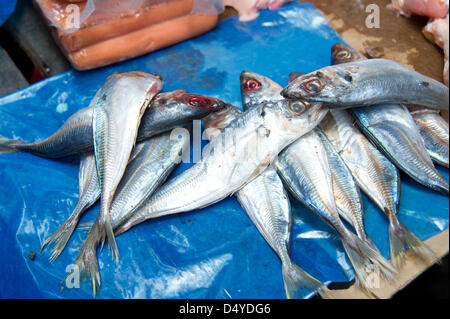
(215, 252)
(100, 32)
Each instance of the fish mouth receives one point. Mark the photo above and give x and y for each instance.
(290, 93)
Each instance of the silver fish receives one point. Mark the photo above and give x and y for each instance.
(89, 193)
(308, 178)
(392, 128)
(233, 159)
(267, 205)
(150, 164)
(304, 168)
(434, 130)
(368, 82)
(377, 177)
(346, 192)
(169, 110)
(116, 117)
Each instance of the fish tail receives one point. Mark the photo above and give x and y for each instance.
(85, 226)
(111, 240)
(8, 146)
(296, 279)
(368, 264)
(402, 239)
(87, 258)
(61, 236)
(370, 242)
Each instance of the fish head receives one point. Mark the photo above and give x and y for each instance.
(221, 118)
(341, 53)
(309, 86)
(297, 117)
(187, 105)
(294, 75)
(134, 84)
(257, 89)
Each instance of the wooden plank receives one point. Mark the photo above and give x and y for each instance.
(28, 29)
(411, 269)
(11, 78)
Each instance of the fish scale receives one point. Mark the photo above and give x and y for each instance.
(169, 110)
(435, 132)
(366, 83)
(346, 191)
(89, 193)
(304, 168)
(117, 114)
(151, 163)
(265, 201)
(374, 173)
(220, 162)
(393, 130)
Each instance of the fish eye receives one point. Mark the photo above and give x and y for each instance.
(344, 55)
(198, 101)
(252, 85)
(314, 85)
(297, 107)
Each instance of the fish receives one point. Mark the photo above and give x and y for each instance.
(307, 176)
(151, 162)
(376, 176)
(434, 130)
(346, 191)
(366, 83)
(304, 168)
(168, 110)
(234, 158)
(267, 205)
(116, 117)
(347, 194)
(393, 130)
(89, 193)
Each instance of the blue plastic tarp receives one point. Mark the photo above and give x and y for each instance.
(215, 252)
(6, 8)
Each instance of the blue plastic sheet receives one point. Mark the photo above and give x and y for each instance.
(6, 8)
(212, 253)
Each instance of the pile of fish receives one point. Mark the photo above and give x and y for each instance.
(323, 139)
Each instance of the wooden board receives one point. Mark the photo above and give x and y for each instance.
(411, 269)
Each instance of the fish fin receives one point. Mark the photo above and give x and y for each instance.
(61, 236)
(370, 242)
(296, 279)
(87, 258)
(7, 146)
(402, 239)
(111, 240)
(85, 226)
(368, 264)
